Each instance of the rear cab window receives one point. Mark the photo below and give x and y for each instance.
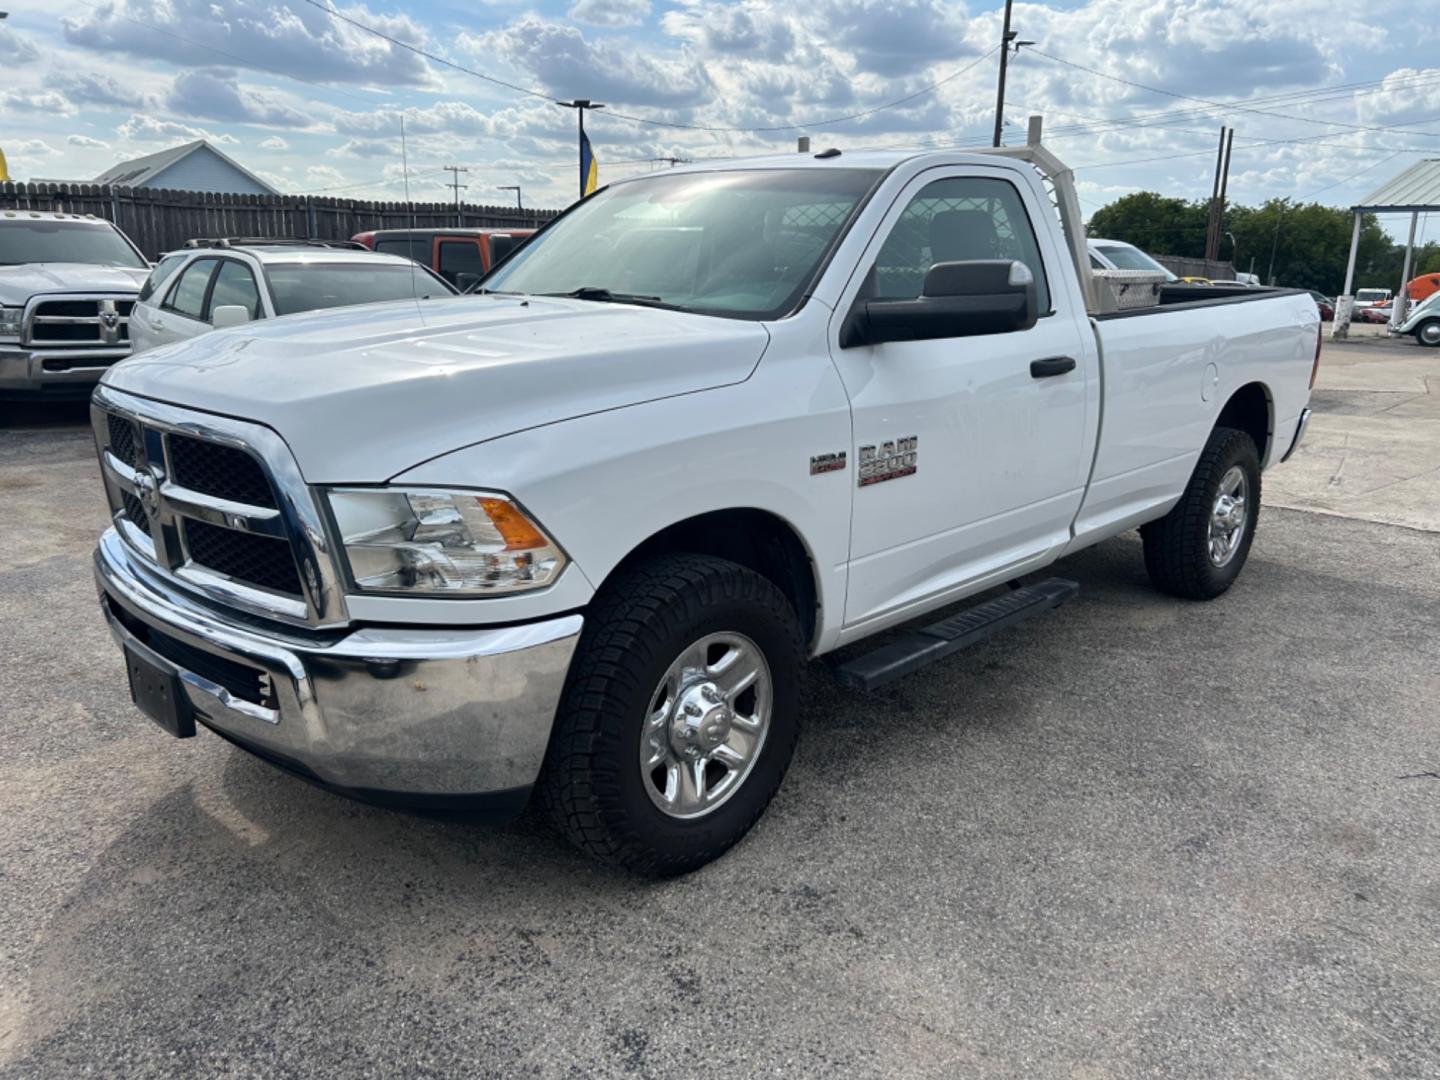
(460, 257)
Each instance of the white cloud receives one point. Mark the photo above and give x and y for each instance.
(216, 94)
(274, 142)
(300, 40)
(92, 88)
(16, 48)
(566, 62)
(42, 102)
(32, 148)
(611, 12)
(85, 142)
(148, 129)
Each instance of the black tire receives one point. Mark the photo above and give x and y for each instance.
(1177, 547)
(592, 784)
(1428, 333)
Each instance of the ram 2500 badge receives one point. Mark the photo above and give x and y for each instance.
(578, 534)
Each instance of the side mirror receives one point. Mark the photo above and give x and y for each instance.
(466, 281)
(959, 299)
(229, 315)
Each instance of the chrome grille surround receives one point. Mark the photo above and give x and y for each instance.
(105, 324)
(149, 483)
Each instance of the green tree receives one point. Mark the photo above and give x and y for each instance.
(1159, 225)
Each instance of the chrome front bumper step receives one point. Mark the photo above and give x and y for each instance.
(412, 712)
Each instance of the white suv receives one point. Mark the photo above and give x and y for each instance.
(218, 283)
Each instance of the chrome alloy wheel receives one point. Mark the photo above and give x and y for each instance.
(1228, 516)
(706, 725)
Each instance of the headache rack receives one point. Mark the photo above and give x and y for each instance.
(270, 241)
(1100, 297)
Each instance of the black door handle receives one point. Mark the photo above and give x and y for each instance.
(1056, 365)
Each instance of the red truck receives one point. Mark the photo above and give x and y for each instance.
(461, 256)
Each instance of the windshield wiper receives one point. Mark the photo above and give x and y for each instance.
(604, 295)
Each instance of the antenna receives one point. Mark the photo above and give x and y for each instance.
(405, 176)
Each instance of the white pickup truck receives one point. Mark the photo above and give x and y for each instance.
(579, 533)
(67, 284)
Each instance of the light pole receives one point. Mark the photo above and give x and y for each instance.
(580, 105)
(515, 188)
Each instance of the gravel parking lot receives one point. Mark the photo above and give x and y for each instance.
(1137, 837)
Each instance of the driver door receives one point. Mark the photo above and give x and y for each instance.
(970, 467)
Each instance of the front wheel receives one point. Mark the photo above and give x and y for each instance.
(1428, 333)
(679, 718)
(1198, 549)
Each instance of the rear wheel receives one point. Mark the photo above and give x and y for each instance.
(1198, 549)
(1428, 333)
(679, 717)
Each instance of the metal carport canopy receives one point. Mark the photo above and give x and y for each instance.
(1414, 191)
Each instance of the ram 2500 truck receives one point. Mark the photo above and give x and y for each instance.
(578, 534)
(67, 284)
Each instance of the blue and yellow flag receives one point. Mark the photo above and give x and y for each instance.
(589, 167)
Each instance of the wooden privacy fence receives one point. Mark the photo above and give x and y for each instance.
(160, 220)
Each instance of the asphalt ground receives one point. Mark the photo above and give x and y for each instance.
(1135, 838)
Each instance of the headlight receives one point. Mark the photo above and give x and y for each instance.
(10, 321)
(448, 543)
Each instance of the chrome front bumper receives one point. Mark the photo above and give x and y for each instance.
(54, 371)
(419, 715)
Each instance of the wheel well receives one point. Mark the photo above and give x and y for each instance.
(755, 539)
(1248, 410)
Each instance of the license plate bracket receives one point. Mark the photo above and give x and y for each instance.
(156, 689)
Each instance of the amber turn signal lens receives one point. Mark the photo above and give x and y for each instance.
(519, 534)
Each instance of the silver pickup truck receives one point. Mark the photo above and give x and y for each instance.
(67, 284)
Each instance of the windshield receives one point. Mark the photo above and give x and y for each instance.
(296, 287)
(64, 242)
(743, 244)
(1130, 258)
(1372, 294)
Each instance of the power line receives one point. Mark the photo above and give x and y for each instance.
(533, 92)
(1228, 106)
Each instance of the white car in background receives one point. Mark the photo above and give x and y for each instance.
(1118, 255)
(219, 283)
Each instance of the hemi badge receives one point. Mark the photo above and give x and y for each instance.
(823, 463)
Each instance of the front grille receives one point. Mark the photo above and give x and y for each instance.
(245, 682)
(247, 557)
(223, 471)
(135, 511)
(100, 321)
(123, 439)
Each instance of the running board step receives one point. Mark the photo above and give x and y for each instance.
(941, 639)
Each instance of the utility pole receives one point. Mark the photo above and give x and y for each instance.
(455, 171)
(515, 188)
(1215, 226)
(580, 105)
(1006, 37)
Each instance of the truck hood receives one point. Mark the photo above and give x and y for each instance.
(19, 283)
(361, 394)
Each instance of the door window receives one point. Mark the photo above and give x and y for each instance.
(460, 257)
(235, 284)
(158, 276)
(188, 296)
(956, 220)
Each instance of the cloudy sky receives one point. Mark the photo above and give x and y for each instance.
(1325, 105)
